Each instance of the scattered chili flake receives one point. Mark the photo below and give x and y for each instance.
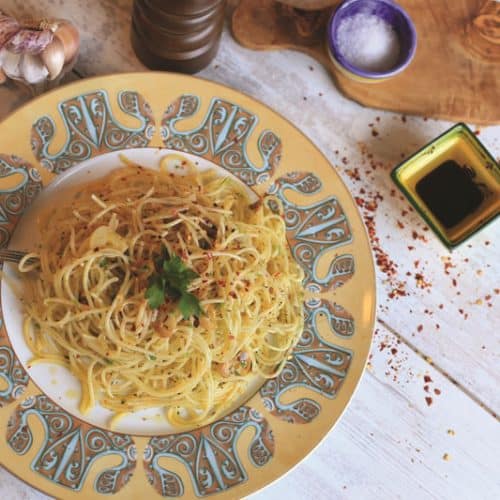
(427, 379)
(446, 457)
(437, 392)
(428, 400)
(374, 132)
(420, 328)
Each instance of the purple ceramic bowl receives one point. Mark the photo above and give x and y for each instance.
(391, 13)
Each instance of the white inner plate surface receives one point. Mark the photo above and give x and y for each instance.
(58, 382)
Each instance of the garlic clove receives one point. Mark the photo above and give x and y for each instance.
(29, 41)
(53, 58)
(10, 63)
(32, 68)
(70, 38)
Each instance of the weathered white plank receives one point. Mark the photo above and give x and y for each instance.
(389, 443)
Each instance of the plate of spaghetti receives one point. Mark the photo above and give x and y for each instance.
(196, 301)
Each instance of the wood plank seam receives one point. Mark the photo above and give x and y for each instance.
(441, 370)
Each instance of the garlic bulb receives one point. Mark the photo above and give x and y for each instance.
(36, 52)
(53, 57)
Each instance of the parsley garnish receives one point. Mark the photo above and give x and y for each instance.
(171, 279)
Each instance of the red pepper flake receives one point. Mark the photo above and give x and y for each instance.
(486, 243)
(374, 132)
(394, 350)
(437, 392)
(410, 247)
(382, 346)
(420, 328)
(427, 379)
(440, 306)
(426, 388)
(428, 400)
(454, 281)
(400, 224)
(403, 118)
(344, 160)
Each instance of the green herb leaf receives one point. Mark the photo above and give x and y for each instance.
(189, 305)
(151, 357)
(155, 292)
(172, 279)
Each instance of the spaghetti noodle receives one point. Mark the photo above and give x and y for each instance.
(88, 310)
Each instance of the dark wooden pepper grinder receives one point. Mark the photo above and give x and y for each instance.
(177, 35)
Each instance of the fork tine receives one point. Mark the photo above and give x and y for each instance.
(14, 256)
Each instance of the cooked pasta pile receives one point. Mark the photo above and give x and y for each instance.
(87, 304)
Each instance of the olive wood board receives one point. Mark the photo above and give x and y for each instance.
(455, 74)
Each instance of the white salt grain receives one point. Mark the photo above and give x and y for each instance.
(368, 42)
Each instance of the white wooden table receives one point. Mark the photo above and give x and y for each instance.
(424, 421)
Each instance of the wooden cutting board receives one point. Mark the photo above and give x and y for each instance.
(455, 74)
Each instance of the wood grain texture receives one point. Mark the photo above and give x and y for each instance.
(373, 449)
(455, 74)
(309, 4)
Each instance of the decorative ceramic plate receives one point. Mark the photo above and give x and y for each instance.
(80, 129)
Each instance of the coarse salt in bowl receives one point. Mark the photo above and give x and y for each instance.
(371, 40)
